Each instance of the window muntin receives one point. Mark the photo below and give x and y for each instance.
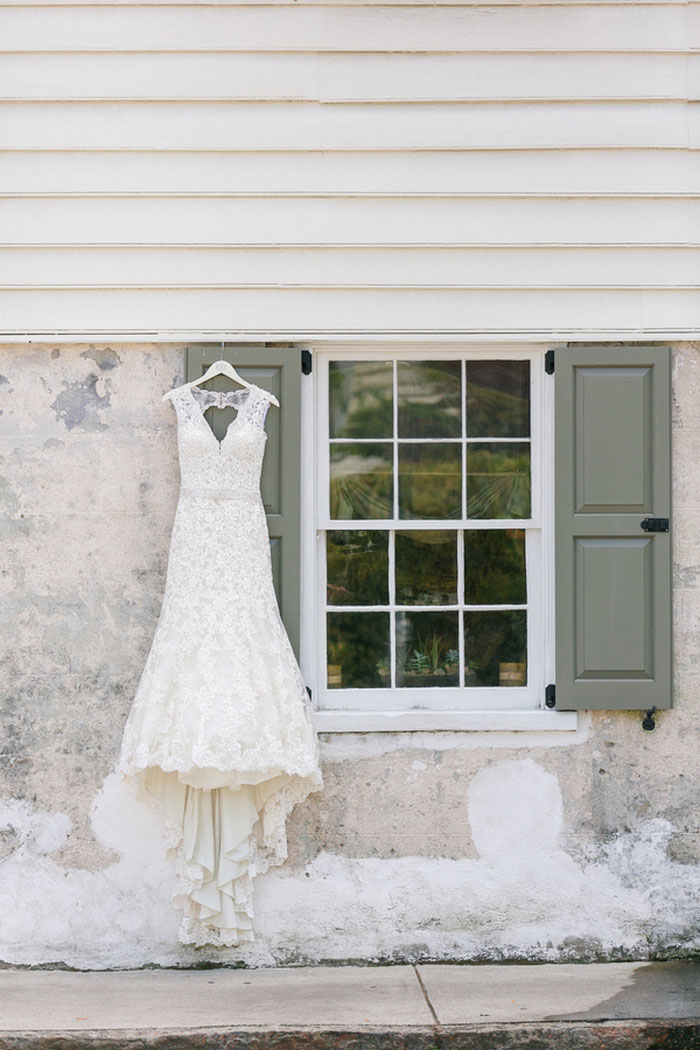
(427, 537)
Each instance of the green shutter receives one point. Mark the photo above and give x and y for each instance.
(613, 579)
(279, 371)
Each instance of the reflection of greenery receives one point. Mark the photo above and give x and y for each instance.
(498, 399)
(498, 480)
(359, 644)
(358, 568)
(361, 399)
(493, 638)
(361, 481)
(426, 568)
(430, 399)
(430, 481)
(494, 567)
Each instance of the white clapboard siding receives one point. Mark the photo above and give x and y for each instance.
(348, 220)
(265, 311)
(568, 27)
(395, 268)
(363, 78)
(309, 167)
(264, 125)
(569, 172)
(338, 3)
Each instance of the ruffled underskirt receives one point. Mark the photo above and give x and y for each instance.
(222, 829)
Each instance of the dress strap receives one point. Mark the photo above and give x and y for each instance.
(256, 407)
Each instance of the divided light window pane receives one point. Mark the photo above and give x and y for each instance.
(443, 442)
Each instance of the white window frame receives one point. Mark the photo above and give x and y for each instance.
(473, 708)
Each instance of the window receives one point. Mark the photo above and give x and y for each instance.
(471, 529)
(430, 531)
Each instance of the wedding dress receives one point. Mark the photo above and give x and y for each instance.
(219, 736)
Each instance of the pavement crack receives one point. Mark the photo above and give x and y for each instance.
(430, 1006)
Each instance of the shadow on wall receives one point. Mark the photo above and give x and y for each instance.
(524, 897)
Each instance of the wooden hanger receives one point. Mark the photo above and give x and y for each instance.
(222, 367)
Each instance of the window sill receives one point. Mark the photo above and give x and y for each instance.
(441, 721)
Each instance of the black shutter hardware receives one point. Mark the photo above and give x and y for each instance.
(655, 524)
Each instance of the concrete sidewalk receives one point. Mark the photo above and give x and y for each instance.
(618, 1006)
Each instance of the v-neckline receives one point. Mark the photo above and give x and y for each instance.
(235, 419)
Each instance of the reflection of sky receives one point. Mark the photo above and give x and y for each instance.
(354, 464)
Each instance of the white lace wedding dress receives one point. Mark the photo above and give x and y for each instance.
(220, 736)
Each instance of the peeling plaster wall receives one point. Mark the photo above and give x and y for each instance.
(449, 846)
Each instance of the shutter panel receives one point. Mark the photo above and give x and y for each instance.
(613, 579)
(278, 370)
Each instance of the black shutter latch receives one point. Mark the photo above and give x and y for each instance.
(655, 524)
(549, 362)
(550, 696)
(648, 722)
(306, 362)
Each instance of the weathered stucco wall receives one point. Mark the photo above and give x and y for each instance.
(422, 845)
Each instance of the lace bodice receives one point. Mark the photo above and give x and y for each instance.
(232, 464)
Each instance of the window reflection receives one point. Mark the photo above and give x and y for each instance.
(426, 568)
(498, 480)
(430, 481)
(498, 399)
(361, 481)
(361, 399)
(494, 567)
(495, 648)
(357, 568)
(397, 449)
(358, 650)
(430, 399)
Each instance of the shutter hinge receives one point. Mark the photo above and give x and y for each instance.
(655, 524)
(549, 362)
(306, 362)
(550, 696)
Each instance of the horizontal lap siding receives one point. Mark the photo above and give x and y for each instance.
(347, 220)
(301, 27)
(312, 167)
(347, 78)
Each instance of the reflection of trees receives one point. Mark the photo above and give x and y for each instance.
(358, 568)
(498, 398)
(429, 487)
(498, 480)
(359, 644)
(430, 399)
(430, 481)
(493, 638)
(426, 568)
(361, 399)
(361, 481)
(494, 567)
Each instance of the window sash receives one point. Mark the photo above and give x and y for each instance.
(536, 528)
